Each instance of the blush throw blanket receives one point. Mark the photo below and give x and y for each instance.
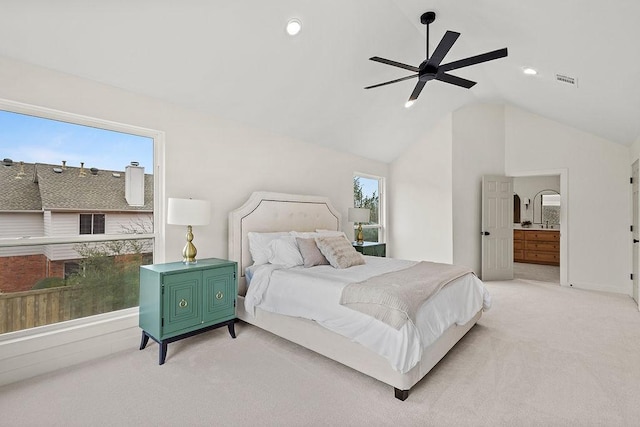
(394, 298)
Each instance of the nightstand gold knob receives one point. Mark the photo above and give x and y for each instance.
(183, 303)
(219, 295)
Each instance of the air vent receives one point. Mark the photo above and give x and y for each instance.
(567, 80)
(7, 162)
(116, 175)
(57, 170)
(94, 171)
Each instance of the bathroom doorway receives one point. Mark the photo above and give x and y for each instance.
(538, 214)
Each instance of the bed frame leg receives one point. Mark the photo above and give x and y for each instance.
(401, 394)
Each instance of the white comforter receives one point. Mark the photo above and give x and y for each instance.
(314, 293)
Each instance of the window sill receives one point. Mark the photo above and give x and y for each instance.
(43, 349)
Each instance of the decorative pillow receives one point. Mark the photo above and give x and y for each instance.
(339, 251)
(311, 255)
(259, 245)
(284, 251)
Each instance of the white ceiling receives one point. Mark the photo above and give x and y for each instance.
(234, 59)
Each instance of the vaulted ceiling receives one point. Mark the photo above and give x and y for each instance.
(234, 59)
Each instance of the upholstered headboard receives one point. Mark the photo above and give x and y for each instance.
(269, 212)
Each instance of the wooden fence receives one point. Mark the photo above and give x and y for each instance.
(23, 310)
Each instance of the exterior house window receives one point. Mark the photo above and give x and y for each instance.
(368, 192)
(71, 268)
(63, 264)
(92, 223)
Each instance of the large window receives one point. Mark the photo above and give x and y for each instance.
(76, 216)
(368, 192)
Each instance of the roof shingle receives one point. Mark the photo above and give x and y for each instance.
(67, 190)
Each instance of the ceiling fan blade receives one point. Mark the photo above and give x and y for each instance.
(395, 64)
(489, 56)
(417, 90)
(443, 48)
(455, 80)
(393, 81)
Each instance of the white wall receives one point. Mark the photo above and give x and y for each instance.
(420, 197)
(493, 139)
(478, 149)
(598, 206)
(206, 157)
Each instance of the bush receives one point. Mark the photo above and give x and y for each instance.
(49, 282)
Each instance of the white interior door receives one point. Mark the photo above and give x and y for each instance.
(636, 229)
(497, 228)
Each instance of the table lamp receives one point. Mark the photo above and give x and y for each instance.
(359, 215)
(188, 212)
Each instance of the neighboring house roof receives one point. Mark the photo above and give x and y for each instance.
(67, 189)
(18, 192)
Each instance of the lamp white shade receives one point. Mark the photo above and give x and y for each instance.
(359, 215)
(188, 212)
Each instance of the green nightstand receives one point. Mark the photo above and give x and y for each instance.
(371, 248)
(178, 301)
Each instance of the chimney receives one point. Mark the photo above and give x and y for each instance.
(134, 184)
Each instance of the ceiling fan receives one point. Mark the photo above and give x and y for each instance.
(431, 69)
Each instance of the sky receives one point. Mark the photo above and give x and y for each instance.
(37, 140)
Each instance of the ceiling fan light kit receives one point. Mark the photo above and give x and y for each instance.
(432, 69)
(294, 26)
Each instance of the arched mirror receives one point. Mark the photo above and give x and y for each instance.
(546, 208)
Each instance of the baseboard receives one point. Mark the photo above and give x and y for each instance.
(599, 288)
(25, 354)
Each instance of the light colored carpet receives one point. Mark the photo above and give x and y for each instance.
(542, 356)
(538, 272)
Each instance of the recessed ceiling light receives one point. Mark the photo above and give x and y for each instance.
(408, 104)
(530, 71)
(294, 26)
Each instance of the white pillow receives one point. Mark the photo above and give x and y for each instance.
(325, 233)
(259, 245)
(284, 251)
(317, 233)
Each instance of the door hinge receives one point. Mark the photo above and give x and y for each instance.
(631, 228)
(162, 322)
(631, 180)
(162, 289)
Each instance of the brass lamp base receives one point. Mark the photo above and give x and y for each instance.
(189, 252)
(359, 236)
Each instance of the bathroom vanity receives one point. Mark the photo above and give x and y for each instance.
(536, 246)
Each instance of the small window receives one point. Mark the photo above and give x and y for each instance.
(71, 268)
(92, 223)
(368, 193)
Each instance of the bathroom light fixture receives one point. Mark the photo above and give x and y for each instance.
(294, 26)
(530, 71)
(408, 104)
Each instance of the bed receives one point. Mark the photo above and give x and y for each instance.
(266, 212)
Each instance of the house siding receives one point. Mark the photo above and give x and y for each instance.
(21, 224)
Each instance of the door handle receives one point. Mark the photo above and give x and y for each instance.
(636, 240)
(485, 233)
